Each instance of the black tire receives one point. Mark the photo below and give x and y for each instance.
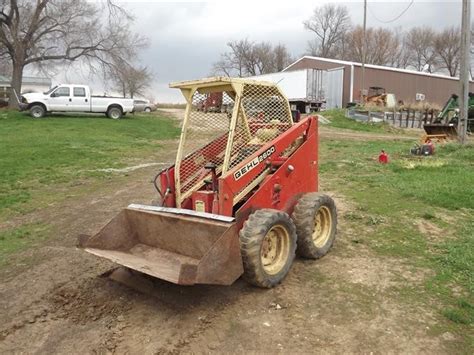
(114, 112)
(37, 111)
(305, 217)
(262, 229)
(147, 109)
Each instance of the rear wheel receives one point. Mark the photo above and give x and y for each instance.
(37, 111)
(315, 217)
(114, 113)
(268, 244)
(147, 109)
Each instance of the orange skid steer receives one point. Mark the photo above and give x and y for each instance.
(241, 198)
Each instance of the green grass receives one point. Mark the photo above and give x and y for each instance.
(37, 154)
(17, 239)
(339, 120)
(390, 201)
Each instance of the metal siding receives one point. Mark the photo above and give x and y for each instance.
(405, 86)
(293, 84)
(296, 85)
(334, 87)
(308, 63)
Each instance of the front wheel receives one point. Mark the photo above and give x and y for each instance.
(315, 217)
(37, 111)
(147, 109)
(114, 113)
(267, 244)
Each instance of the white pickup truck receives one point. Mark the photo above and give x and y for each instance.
(74, 98)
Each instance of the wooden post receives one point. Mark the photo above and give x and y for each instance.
(464, 70)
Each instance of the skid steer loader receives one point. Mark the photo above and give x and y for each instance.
(240, 199)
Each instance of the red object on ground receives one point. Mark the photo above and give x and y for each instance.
(431, 146)
(383, 157)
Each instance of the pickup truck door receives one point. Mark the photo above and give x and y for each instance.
(59, 99)
(80, 100)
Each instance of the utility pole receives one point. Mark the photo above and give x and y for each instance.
(464, 73)
(364, 50)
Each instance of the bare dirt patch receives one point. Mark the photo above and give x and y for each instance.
(430, 230)
(56, 299)
(341, 303)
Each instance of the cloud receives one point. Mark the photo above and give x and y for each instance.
(187, 37)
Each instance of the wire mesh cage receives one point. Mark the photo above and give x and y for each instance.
(205, 140)
(224, 125)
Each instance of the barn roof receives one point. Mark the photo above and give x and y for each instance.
(371, 66)
(27, 80)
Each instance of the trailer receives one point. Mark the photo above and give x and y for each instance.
(309, 90)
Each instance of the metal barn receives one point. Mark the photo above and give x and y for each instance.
(407, 85)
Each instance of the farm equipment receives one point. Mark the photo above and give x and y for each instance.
(377, 96)
(239, 200)
(445, 125)
(211, 103)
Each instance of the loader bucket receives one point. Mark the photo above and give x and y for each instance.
(448, 130)
(183, 247)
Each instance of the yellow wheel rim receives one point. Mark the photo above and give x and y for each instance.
(275, 249)
(322, 226)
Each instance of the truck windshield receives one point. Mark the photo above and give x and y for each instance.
(50, 90)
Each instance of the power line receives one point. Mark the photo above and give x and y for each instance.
(394, 19)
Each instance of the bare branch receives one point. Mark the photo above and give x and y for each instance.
(329, 23)
(246, 58)
(59, 31)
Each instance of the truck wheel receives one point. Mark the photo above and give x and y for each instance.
(267, 244)
(315, 217)
(147, 109)
(37, 111)
(114, 113)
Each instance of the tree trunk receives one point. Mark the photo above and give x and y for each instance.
(17, 78)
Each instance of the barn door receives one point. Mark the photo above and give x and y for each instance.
(334, 87)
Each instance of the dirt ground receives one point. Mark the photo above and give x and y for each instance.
(58, 299)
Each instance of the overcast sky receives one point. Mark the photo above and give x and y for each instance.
(187, 37)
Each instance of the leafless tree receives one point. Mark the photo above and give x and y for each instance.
(281, 57)
(130, 79)
(329, 23)
(447, 47)
(420, 43)
(401, 55)
(237, 60)
(56, 31)
(246, 58)
(382, 45)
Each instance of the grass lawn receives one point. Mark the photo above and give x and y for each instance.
(338, 119)
(36, 154)
(392, 202)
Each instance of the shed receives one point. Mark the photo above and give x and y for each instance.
(29, 84)
(405, 84)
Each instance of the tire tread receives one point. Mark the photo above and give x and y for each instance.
(251, 237)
